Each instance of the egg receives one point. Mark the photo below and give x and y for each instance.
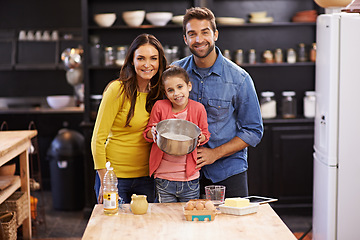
(199, 206)
(209, 205)
(189, 206)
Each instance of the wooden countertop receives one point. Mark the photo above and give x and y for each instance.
(167, 221)
(11, 140)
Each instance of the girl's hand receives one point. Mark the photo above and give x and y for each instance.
(154, 133)
(200, 139)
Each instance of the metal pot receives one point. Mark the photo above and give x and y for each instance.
(177, 137)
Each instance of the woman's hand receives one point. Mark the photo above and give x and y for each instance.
(101, 194)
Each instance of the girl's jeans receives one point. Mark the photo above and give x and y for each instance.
(177, 191)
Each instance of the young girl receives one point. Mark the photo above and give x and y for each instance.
(176, 177)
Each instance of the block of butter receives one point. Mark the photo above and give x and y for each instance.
(237, 202)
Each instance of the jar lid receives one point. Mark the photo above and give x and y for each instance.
(96, 97)
(310, 93)
(267, 94)
(288, 93)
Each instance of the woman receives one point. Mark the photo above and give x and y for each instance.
(122, 117)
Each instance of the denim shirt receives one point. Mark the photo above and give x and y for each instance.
(229, 96)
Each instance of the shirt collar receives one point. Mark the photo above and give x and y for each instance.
(216, 68)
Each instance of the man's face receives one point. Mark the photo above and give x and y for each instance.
(200, 38)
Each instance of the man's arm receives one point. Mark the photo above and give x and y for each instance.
(206, 156)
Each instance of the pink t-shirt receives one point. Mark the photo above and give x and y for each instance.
(173, 167)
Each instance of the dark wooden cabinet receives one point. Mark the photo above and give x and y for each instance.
(281, 166)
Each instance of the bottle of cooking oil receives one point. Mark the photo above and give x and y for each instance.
(110, 191)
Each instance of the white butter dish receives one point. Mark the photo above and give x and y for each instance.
(252, 208)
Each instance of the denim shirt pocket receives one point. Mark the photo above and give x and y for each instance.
(217, 111)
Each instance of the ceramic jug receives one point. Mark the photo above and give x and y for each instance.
(139, 204)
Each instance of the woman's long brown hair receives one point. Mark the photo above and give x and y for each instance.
(129, 80)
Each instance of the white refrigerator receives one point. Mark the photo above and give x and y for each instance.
(336, 200)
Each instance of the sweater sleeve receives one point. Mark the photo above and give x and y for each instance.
(108, 109)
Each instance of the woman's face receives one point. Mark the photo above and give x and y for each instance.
(146, 62)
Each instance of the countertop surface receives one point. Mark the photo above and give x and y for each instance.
(167, 221)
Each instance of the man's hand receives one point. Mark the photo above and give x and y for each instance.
(205, 156)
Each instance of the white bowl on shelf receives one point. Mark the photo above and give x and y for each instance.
(159, 18)
(133, 18)
(178, 19)
(58, 101)
(105, 19)
(233, 21)
(261, 20)
(259, 14)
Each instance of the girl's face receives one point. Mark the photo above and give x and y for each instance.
(177, 91)
(146, 62)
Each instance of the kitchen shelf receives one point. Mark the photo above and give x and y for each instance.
(41, 110)
(175, 26)
(7, 192)
(105, 67)
(121, 27)
(298, 64)
(274, 24)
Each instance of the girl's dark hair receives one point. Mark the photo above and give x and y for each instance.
(201, 13)
(172, 71)
(128, 75)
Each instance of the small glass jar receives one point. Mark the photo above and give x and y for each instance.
(120, 55)
(289, 109)
(302, 56)
(313, 53)
(268, 56)
(268, 105)
(227, 54)
(278, 55)
(309, 104)
(291, 56)
(239, 57)
(95, 54)
(109, 56)
(252, 56)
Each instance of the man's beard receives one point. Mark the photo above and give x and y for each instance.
(211, 48)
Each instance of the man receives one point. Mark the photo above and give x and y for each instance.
(228, 94)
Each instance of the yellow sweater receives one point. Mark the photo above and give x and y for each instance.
(124, 147)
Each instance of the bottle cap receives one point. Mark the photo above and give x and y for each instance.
(108, 166)
(310, 93)
(288, 93)
(267, 94)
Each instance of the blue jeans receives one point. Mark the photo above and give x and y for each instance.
(177, 191)
(129, 186)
